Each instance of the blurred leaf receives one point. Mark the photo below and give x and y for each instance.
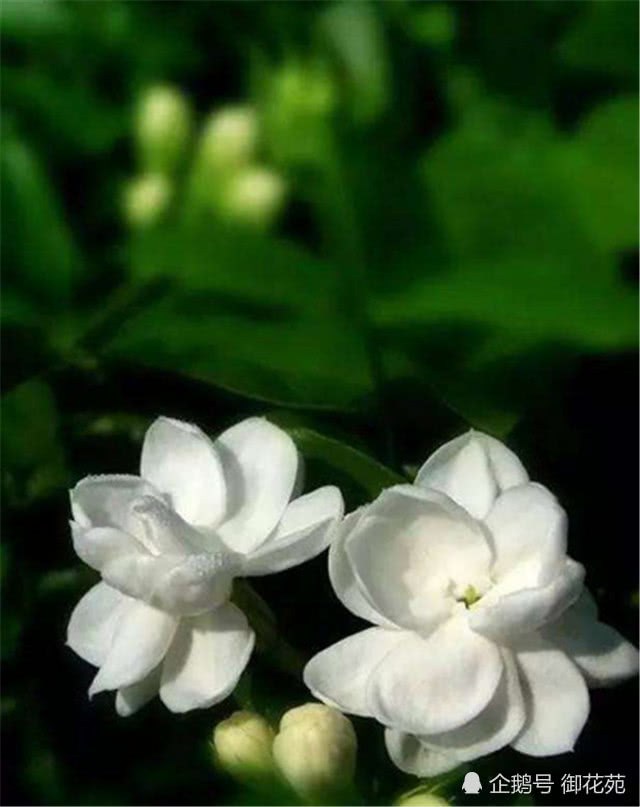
(22, 20)
(367, 472)
(604, 39)
(246, 313)
(38, 250)
(33, 459)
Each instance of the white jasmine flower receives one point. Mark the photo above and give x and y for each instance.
(168, 544)
(484, 635)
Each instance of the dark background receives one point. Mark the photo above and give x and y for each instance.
(457, 246)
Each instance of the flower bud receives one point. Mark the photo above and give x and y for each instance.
(162, 128)
(315, 750)
(243, 745)
(146, 199)
(229, 139)
(254, 196)
(421, 798)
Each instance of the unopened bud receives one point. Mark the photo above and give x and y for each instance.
(254, 196)
(421, 798)
(316, 751)
(162, 128)
(243, 744)
(146, 199)
(229, 138)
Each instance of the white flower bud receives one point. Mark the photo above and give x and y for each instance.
(146, 199)
(243, 745)
(254, 196)
(316, 750)
(421, 798)
(162, 128)
(229, 138)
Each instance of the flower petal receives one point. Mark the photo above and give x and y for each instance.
(603, 656)
(472, 469)
(105, 501)
(409, 754)
(427, 686)
(493, 728)
(338, 675)
(410, 548)
(140, 642)
(179, 459)
(556, 699)
(503, 615)
(134, 697)
(344, 582)
(305, 530)
(183, 585)
(97, 546)
(529, 530)
(94, 621)
(206, 660)
(260, 464)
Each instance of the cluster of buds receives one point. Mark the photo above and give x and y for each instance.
(313, 753)
(215, 173)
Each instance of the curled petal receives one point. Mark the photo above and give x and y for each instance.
(134, 697)
(409, 549)
(427, 686)
(94, 621)
(556, 699)
(97, 546)
(327, 677)
(412, 756)
(206, 660)
(529, 533)
(506, 614)
(472, 469)
(179, 459)
(260, 463)
(602, 655)
(139, 644)
(105, 501)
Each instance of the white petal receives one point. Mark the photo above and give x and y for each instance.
(504, 615)
(427, 686)
(344, 582)
(179, 459)
(599, 651)
(529, 530)
(472, 469)
(206, 659)
(140, 642)
(410, 548)
(134, 697)
(305, 530)
(105, 501)
(163, 530)
(97, 546)
(260, 464)
(94, 621)
(183, 585)
(409, 754)
(338, 675)
(556, 699)
(493, 728)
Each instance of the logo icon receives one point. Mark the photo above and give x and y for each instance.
(472, 783)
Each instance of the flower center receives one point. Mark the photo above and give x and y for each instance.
(470, 596)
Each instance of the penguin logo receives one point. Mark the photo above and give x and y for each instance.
(471, 783)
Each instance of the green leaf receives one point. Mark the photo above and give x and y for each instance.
(246, 313)
(369, 474)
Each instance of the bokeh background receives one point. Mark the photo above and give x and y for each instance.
(378, 224)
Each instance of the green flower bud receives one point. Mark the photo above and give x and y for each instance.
(162, 129)
(146, 199)
(315, 750)
(421, 798)
(229, 139)
(253, 196)
(243, 744)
